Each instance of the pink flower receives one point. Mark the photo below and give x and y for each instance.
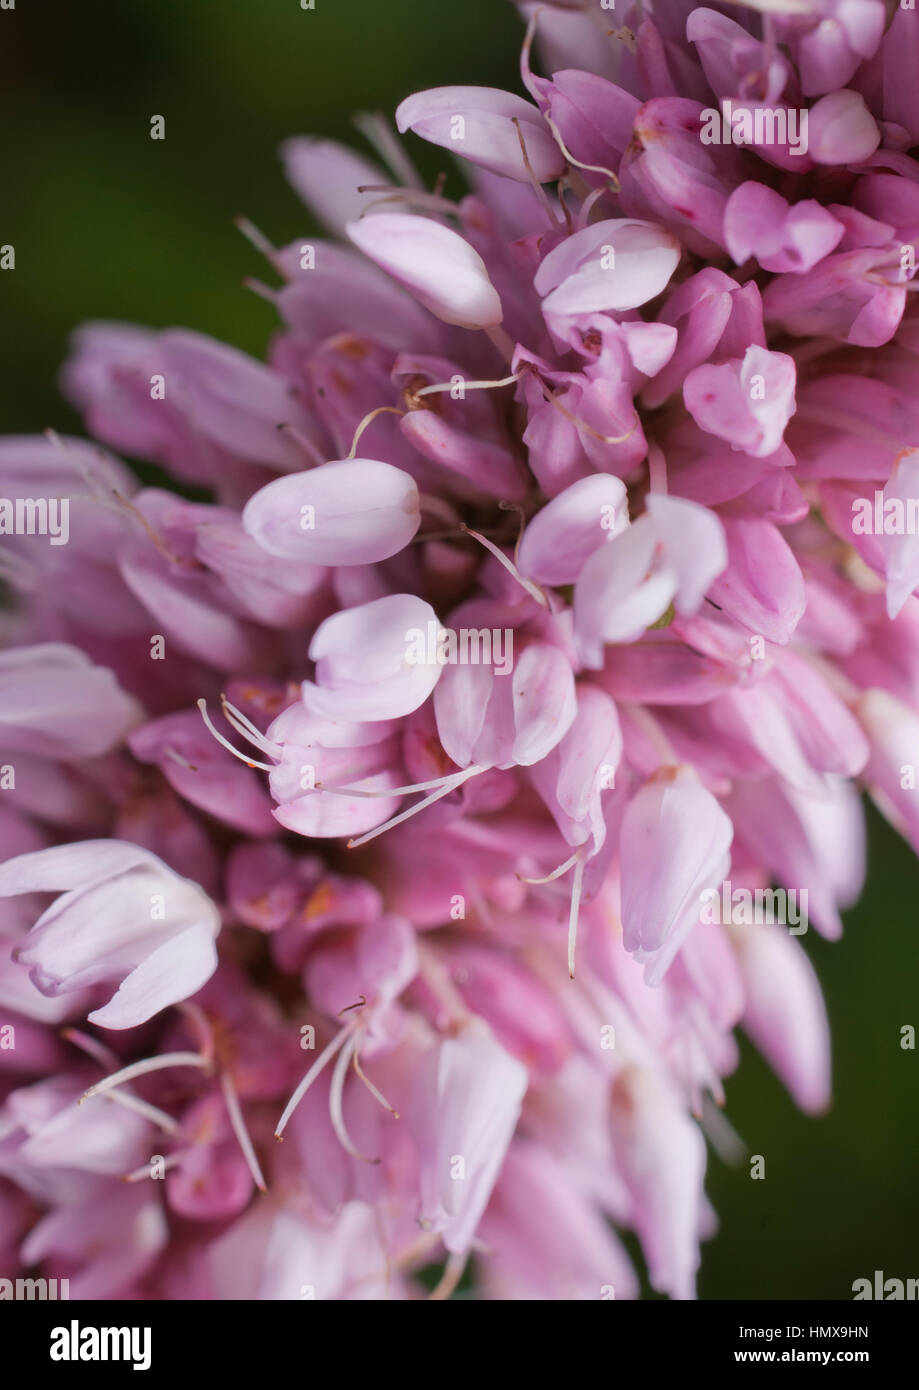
(469, 1097)
(372, 802)
(121, 916)
(435, 264)
(495, 129)
(312, 516)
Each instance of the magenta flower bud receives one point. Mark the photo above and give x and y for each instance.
(715, 318)
(748, 403)
(841, 129)
(735, 63)
(122, 916)
(900, 549)
(671, 554)
(196, 766)
(830, 42)
(442, 270)
(594, 118)
(615, 265)
(505, 720)
(520, 1010)
(55, 703)
(852, 296)
(343, 292)
(661, 1153)
(370, 660)
(758, 222)
(211, 1181)
(481, 124)
(674, 843)
(568, 1254)
(892, 728)
(327, 176)
(561, 538)
(111, 1237)
(784, 1013)
(468, 1100)
(762, 585)
(348, 512)
(894, 92)
(669, 174)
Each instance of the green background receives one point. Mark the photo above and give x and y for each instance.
(110, 224)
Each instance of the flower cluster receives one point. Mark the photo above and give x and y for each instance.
(369, 802)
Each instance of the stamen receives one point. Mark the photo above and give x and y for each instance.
(583, 425)
(130, 1073)
(392, 791)
(92, 480)
(336, 1098)
(502, 341)
(201, 1021)
(526, 48)
(122, 504)
(428, 202)
(521, 523)
(564, 186)
(368, 420)
(319, 1065)
(307, 445)
(612, 177)
(537, 187)
(593, 197)
(261, 243)
(436, 506)
(107, 1058)
(127, 1101)
(532, 589)
(721, 1134)
(452, 783)
(453, 1273)
(261, 289)
(244, 725)
(176, 757)
(377, 1095)
(234, 1110)
(468, 385)
(556, 873)
(575, 911)
(143, 1171)
(375, 128)
(250, 762)
(91, 1046)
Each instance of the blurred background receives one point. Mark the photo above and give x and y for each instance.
(108, 223)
